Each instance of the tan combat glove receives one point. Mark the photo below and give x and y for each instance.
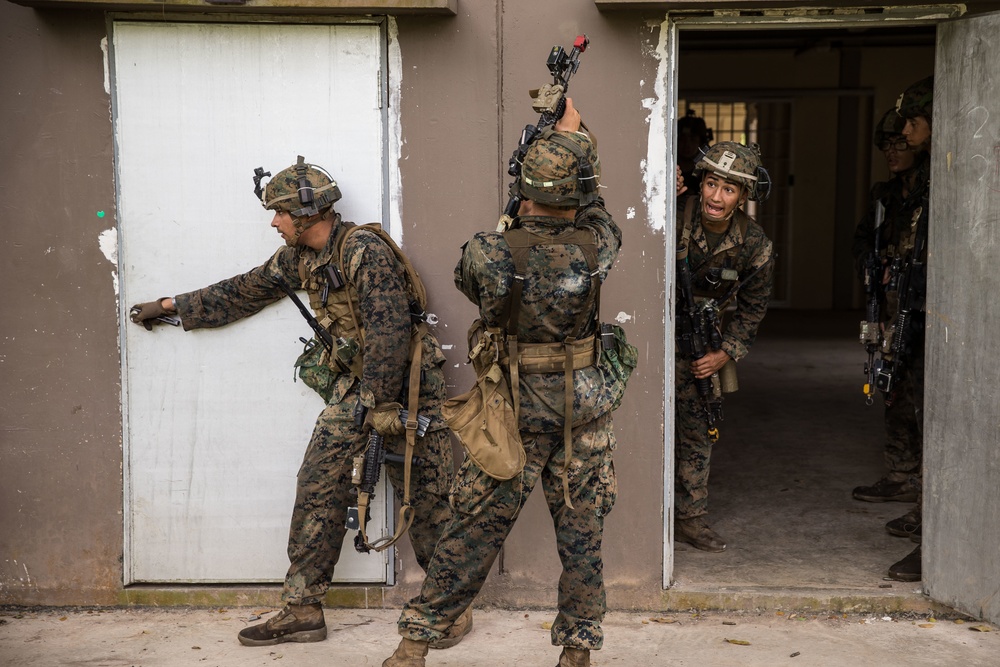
(385, 419)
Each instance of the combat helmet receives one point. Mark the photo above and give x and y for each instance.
(917, 100)
(561, 169)
(890, 125)
(738, 163)
(695, 126)
(302, 190)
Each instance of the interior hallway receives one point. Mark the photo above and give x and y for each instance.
(796, 438)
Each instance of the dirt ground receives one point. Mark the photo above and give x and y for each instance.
(152, 637)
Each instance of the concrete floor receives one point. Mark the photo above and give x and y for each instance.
(796, 438)
(150, 637)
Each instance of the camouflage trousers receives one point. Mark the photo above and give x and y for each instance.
(485, 512)
(904, 418)
(323, 494)
(692, 446)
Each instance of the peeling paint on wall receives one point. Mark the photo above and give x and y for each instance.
(108, 242)
(107, 68)
(395, 130)
(654, 167)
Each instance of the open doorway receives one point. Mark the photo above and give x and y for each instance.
(798, 435)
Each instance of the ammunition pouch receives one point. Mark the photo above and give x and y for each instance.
(619, 358)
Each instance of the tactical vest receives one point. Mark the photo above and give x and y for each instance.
(716, 276)
(334, 299)
(565, 356)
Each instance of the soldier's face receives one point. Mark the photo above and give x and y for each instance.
(898, 159)
(917, 132)
(719, 198)
(282, 222)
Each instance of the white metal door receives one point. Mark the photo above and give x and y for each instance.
(961, 543)
(215, 426)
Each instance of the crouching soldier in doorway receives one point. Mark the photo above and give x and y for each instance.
(536, 289)
(367, 298)
(723, 258)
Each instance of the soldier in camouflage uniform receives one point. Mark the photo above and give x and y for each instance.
(556, 296)
(910, 209)
(725, 248)
(373, 278)
(901, 196)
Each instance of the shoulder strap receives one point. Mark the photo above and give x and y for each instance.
(520, 242)
(418, 293)
(413, 282)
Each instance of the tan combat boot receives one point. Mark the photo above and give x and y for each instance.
(457, 632)
(574, 657)
(294, 623)
(696, 532)
(409, 653)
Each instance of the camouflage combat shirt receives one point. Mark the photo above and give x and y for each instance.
(743, 248)
(898, 227)
(556, 290)
(383, 307)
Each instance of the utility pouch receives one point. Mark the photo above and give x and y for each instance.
(483, 419)
(312, 369)
(619, 357)
(727, 377)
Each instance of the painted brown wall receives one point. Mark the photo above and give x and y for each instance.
(454, 184)
(61, 478)
(60, 415)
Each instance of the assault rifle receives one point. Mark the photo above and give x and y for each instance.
(698, 329)
(550, 102)
(367, 469)
(871, 330)
(909, 276)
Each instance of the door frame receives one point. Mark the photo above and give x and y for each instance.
(390, 86)
(662, 142)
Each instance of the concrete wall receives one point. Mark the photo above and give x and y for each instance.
(961, 548)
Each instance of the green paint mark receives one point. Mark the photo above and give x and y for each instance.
(100, 214)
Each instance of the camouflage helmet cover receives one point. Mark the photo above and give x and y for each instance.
(917, 100)
(733, 162)
(285, 193)
(561, 169)
(890, 125)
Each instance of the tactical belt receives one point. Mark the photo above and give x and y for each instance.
(551, 357)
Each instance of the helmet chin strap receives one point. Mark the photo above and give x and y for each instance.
(302, 224)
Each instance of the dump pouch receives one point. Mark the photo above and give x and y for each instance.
(483, 419)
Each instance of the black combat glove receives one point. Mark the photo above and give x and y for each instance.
(150, 313)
